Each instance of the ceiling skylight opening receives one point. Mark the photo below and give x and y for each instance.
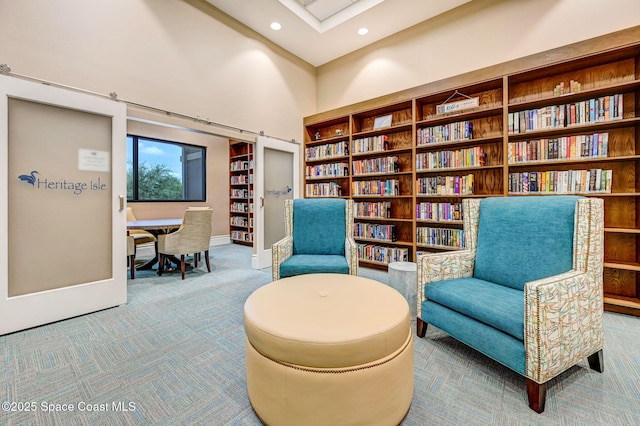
(323, 15)
(363, 31)
(276, 26)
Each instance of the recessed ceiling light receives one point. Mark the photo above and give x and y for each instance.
(276, 26)
(363, 31)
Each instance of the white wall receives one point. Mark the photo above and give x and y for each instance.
(473, 36)
(180, 55)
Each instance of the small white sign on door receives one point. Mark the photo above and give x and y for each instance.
(92, 160)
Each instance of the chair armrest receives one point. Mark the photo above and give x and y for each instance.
(563, 322)
(280, 251)
(445, 266)
(351, 253)
(442, 266)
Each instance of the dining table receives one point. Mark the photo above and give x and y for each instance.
(155, 227)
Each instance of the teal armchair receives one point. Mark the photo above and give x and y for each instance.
(527, 289)
(318, 239)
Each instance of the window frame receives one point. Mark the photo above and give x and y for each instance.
(135, 166)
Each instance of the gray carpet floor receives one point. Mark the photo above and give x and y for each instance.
(174, 355)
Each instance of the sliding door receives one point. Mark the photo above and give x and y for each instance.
(62, 179)
(276, 179)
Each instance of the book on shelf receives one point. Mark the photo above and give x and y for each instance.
(324, 189)
(445, 185)
(373, 209)
(376, 165)
(382, 254)
(370, 144)
(327, 170)
(595, 110)
(388, 187)
(328, 151)
(594, 145)
(561, 181)
(451, 132)
(465, 157)
(447, 237)
(375, 231)
(441, 212)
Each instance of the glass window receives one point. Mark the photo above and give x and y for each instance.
(159, 170)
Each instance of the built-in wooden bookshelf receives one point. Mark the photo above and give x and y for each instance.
(565, 121)
(241, 192)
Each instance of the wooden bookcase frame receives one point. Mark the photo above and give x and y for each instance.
(241, 159)
(436, 151)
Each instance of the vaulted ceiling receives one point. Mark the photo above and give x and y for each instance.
(319, 31)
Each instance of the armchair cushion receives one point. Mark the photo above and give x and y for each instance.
(307, 215)
(499, 306)
(513, 251)
(301, 264)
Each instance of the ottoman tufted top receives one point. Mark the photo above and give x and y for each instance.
(326, 320)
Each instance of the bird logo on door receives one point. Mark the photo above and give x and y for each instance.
(30, 178)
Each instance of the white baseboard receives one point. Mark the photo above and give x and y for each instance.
(148, 250)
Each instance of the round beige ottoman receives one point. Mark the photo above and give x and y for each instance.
(328, 349)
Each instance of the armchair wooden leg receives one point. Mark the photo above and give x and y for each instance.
(182, 265)
(596, 361)
(537, 393)
(206, 260)
(421, 327)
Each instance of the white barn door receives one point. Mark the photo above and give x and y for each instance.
(62, 183)
(277, 173)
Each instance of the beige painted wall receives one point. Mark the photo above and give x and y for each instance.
(179, 55)
(473, 36)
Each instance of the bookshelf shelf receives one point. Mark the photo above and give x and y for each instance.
(624, 266)
(241, 192)
(623, 230)
(431, 125)
(438, 247)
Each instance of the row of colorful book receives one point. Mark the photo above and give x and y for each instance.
(239, 221)
(375, 231)
(241, 179)
(375, 210)
(561, 181)
(381, 254)
(447, 237)
(241, 193)
(604, 108)
(444, 212)
(240, 165)
(321, 152)
(376, 165)
(241, 207)
(242, 236)
(328, 189)
(451, 132)
(327, 170)
(466, 157)
(595, 145)
(370, 144)
(389, 187)
(445, 185)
